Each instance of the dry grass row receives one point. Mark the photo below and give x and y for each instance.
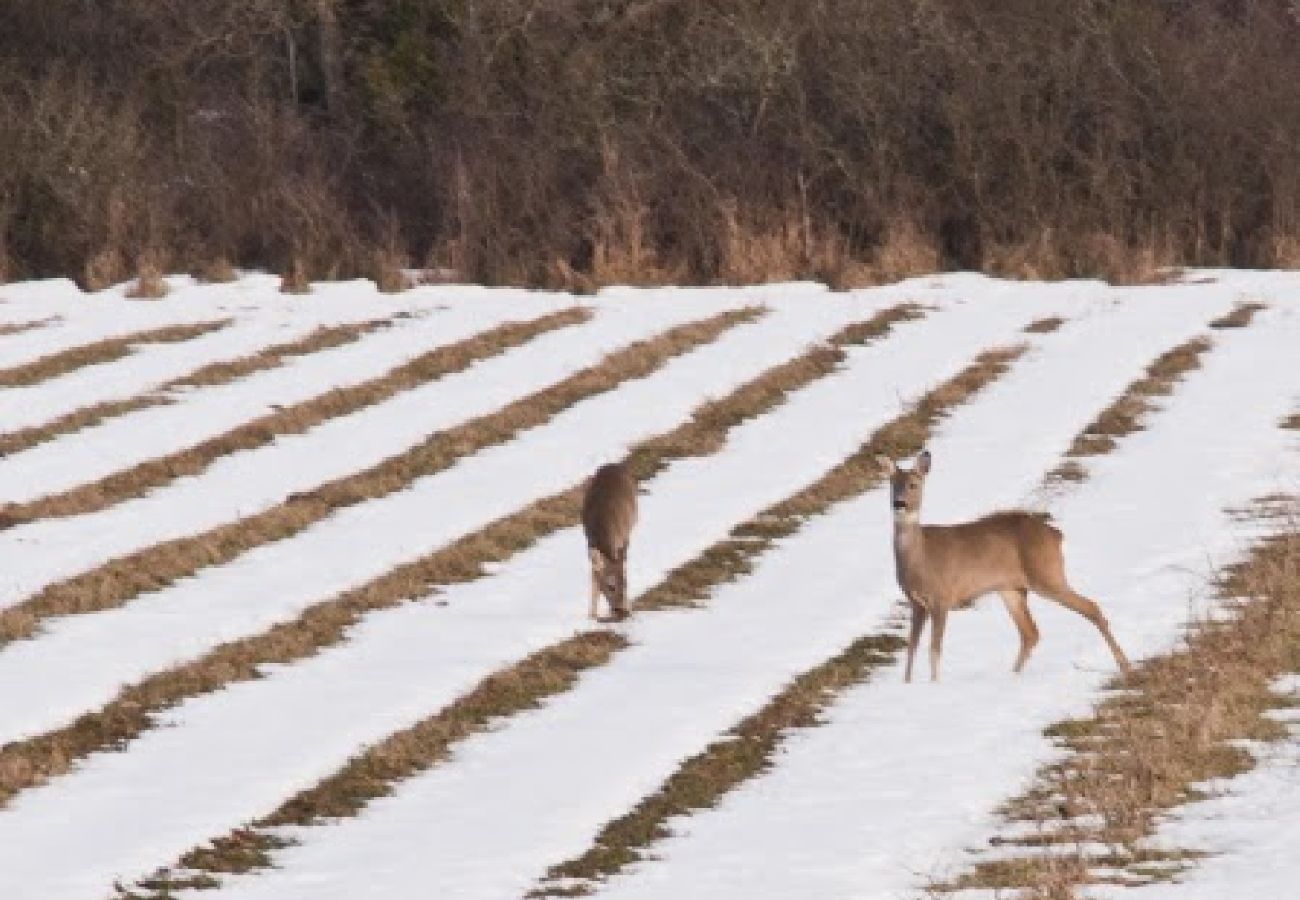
(1044, 326)
(102, 351)
(1145, 750)
(326, 337)
(212, 374)
(9, 328)
(1240, 316)
(32, 761)
(1128, 413)
(152, 474)
(426, 744)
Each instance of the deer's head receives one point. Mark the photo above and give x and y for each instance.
(906, 485)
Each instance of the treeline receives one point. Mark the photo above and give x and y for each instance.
(579, 142)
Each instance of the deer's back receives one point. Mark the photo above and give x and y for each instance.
(1002, 551)
(609, 509)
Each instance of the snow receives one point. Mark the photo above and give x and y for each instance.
(271, 584)
(888, 792)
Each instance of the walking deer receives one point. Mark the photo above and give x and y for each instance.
(608, 514)
(946, 567)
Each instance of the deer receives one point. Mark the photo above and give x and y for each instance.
(942, 568)
(608, 516)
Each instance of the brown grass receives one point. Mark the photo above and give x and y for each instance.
(213, 374)
(1143, 751)
(467, 558)
(1051, 255)
(325, 337)
(1240, 316)
(388, 267)
(906, 251)
(106, 350)
(149, 283)
(9, 328)
(1129, 412)
(103, 270)
(1044, 326)
(300, 417)
(295, 280)
(1286, 251)
(217, 270)
(24, 763)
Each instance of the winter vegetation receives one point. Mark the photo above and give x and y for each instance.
(581, 143)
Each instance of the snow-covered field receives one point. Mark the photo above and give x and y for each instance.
(891, 790)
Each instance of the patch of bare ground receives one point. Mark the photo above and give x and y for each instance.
(1128, 413)
(152, 474)
(210, 375)
(106, 350)
(1177, 724)
(505, 693)
(35, 760)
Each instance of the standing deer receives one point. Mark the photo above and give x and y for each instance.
(608, 514)
(945, 567)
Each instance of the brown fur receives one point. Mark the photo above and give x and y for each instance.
(946, 567)
(608, 516)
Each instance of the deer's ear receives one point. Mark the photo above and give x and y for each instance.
(597, 558)
(923, 462)
(886, 463)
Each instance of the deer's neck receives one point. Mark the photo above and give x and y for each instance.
(909, 552)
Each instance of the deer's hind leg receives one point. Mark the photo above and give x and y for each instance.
(914, 637)
(1071, 599)
(1017, 602)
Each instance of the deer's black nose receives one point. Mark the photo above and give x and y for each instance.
(900, 504)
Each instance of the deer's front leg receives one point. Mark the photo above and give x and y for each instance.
(595, 594)
(940, 616)
(914, 638)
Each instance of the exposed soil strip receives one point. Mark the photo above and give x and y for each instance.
(152, 474)
(28, 762)
(345, 793)
(324, 338)
(1142, 752)
(107, 350)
